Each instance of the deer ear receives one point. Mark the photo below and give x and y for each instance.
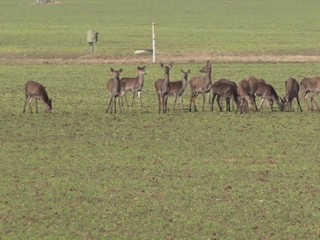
(143, 67)
(120, 70)
(161, 65)
(181, 70)
(111, 69)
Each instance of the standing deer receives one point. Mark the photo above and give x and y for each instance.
(134, 85)
(177, 88)
(34, 90)
(228, 90)
(292, 91)
(266, 91)
(114, 89)
(163, 88)
(200, 85)
(312, 86)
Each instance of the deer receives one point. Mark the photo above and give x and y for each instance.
(200, 85)
(34, 90)
(312, 86)
(134, 84)
(114, 90)
(245, 96)
(292, 89)
(253, 83)
(177, 88)
(266, 91)
(227, 89)
(163, 88)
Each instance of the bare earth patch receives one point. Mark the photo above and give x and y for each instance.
(164, 57)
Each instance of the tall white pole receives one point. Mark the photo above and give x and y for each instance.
(153, 43)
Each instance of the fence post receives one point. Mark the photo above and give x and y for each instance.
(153, 43)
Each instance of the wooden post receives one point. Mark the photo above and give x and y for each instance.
(153, 43)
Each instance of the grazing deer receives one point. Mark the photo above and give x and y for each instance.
(134, 85)
(292, 91)
(227, 89)
(34, 90)
(246, 98)
(266, 91)
(163, 88)
(253, 83)
(312, 86)
(200, 85)
(177, 88)
(114, 89)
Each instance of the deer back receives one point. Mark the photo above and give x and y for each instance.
(253, 83)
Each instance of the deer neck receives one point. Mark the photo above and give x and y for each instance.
(208, 79)
(184, 83)
(165, 83)
(140, 79)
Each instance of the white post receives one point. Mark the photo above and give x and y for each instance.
(153, 43)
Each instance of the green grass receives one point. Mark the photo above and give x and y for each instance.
(81, 173)
(225, 27)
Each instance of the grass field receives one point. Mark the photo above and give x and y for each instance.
(223, 27)
(80, 173)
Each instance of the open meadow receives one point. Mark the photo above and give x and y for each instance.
(79, 173)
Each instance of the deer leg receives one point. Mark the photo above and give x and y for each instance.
(212, 101)
(314, 98)
(228, 100)
(29, 104)
(36, 106)
(134, 94)
(203, 101)
(305, 96)
(139, 95)
(25, 104)
(181, 101)
(299, 104)
(110, 102)
(115, 104)
(219, 102)
(119, 104)
(175, 100)
(262, 100)
(191, 98)
(166, 103)
(160, 102)
(254, 102)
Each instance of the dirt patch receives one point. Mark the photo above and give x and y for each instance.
(163, 57)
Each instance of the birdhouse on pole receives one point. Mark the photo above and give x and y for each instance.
(92, 39)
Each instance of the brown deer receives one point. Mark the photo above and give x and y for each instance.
(245, 95)
(200, 85)
(177, 88)
(163, 88)
(114, 89)
(292, 91)
(253, 83)
(34, 90)
(134, 85)
(227, 89)
(266, 91)
(310, 86)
